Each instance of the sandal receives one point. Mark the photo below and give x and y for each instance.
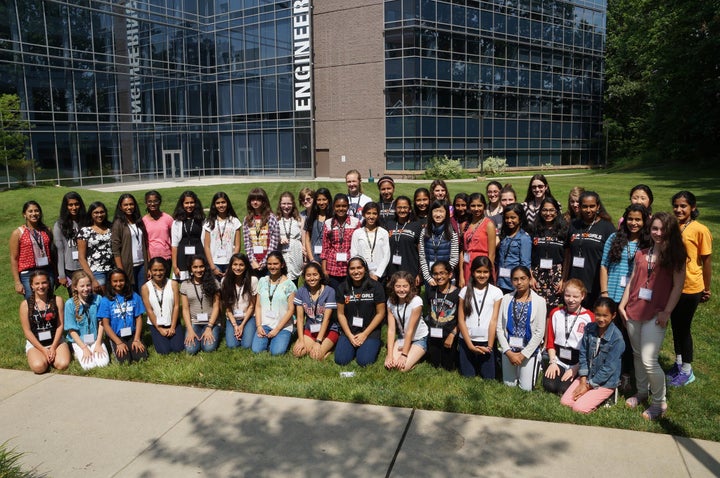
(655, 411)
(634, 401)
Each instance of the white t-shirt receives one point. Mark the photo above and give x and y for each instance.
(222, 238)
(479, 324)
(241, 304)
(402, 314)
(162, 303)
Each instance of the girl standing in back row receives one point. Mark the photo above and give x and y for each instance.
(261, 231)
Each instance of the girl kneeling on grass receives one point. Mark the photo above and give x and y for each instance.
(274, 308)
(41, 317)
(410, 330)
(81, 323)
(161, 297)
(121, 313)
(314, 305)
(601, 350)
(564, 333)
(520, 331)
(239, 294)
(200, 296)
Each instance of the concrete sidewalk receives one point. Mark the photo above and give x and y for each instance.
(71, 426)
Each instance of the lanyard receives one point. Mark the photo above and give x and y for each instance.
(160, 298)
(401, 321)
(41, 315)
(271, 291)
(519, 316)
(439, 306)
(388, 209)
(200, 297)
(285, 229)
(397, 233)
(341, 230)
(353, 300)
(123, 310)
(318, 226)
(482, 304)
(192, 224)
(650, 265)
(372, 247)
(222, 230)
(37, 237)
(630, 256)
(509, 246)
(314, 303)
(468, 240)
(258, 229)
(568, 330)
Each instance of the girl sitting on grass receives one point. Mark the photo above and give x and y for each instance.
(314, 305)
(121, 313)
(404, 311)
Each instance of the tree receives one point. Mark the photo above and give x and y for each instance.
(13, 138)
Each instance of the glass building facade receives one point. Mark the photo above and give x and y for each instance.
(520, 79)
(146, 89)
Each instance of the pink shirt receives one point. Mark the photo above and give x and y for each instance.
(158, 232)
(660, 281)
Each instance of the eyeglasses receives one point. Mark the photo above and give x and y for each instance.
(548, 211)
(307, 199)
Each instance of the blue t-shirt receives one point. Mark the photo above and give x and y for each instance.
(618, 270)
(121, 313)
(88, 323)
(315, 311)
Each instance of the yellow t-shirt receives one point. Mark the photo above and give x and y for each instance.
(698, 243)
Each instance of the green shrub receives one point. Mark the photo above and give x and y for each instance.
(495, 165)
(444, 168)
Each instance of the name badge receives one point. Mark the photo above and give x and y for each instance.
(357, 321)
(517, 342)
(476, 333)
(258, 249)
(44, 335)
(75, 255)
(436, 332)
(372, 266)
(317, 249)
(546, 263)
(565, 353)
(396, 259)
(238, 313)
(645, 294)
(315, 328)
(125, 332)
(189, 250)
(579, 262)
(466, 257)
(221, 255)
(623, 281)
(89, 338)
(41, 261)
(270, 314)
(341, 257)
(504, 272)
(201, 317)
(184, 275)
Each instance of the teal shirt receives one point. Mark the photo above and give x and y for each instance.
(618, 270)
(88, 323)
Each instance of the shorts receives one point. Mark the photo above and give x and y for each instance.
(332, 336)
(422, 343)
(29, 346)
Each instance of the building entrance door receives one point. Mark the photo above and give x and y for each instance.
(172, 164)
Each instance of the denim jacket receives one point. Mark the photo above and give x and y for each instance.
(601, 369)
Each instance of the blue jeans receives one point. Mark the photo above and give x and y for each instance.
(277, 345)
(100, 277)
(199, 344)
(164, 345)
(472, 364)
(139, 276)
(366, 354)
(247, 335)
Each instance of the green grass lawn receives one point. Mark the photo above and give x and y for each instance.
(694, 411)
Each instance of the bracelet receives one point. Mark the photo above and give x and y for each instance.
(318, 341)
(404, 355)
(603, 292)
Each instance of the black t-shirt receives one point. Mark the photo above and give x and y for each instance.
(387, 214)
(548, 245)
(588, 242)
(359, 302)
(404, 243)
(442, 310)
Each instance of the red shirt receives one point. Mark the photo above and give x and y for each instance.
(336, 240)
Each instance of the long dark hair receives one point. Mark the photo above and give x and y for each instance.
(120, 214)
(691, 200)
(622, 236)
(365, 285)
(40, 225)
(418, 192)
(517, 209)
(537, 177)
(672, 253)
(88, 218)
(478, 262)
(401, 275)
(462, 197)
(411, 213)
(208, 282)
(227, 288)
(315, 211)
(266, 210)
(180, 215)
(602, 212)
(65, 219)
(126, 293)
(52, 305)
(557, 228)
(213, 213)
(446, 224)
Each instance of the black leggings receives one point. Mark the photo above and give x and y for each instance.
(680, 320)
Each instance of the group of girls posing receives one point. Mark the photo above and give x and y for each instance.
(345, 247)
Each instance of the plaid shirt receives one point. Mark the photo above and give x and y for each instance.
(267, 236)
(337, 238)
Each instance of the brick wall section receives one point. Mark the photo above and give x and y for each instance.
(349, 80)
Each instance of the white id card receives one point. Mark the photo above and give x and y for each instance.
(476, 333)
(645, 294)
(317, 249)
(258, 249)
(546, 263)
(270, 314)
(372, 266)
(315, 328)
(516, 342)
(436, 332)
(89, 338)
(189, 250)
(623, 281)
(578, 262)
(396, 259)
(44, 335)
(341, 257)
(565, 354)
(184, 275)
(41, 261)
(504, 272)
(201, 317)
(466, 257)
(238, 313)
(75, 255)
(125, 332)
(357, 321)
(221, 255)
